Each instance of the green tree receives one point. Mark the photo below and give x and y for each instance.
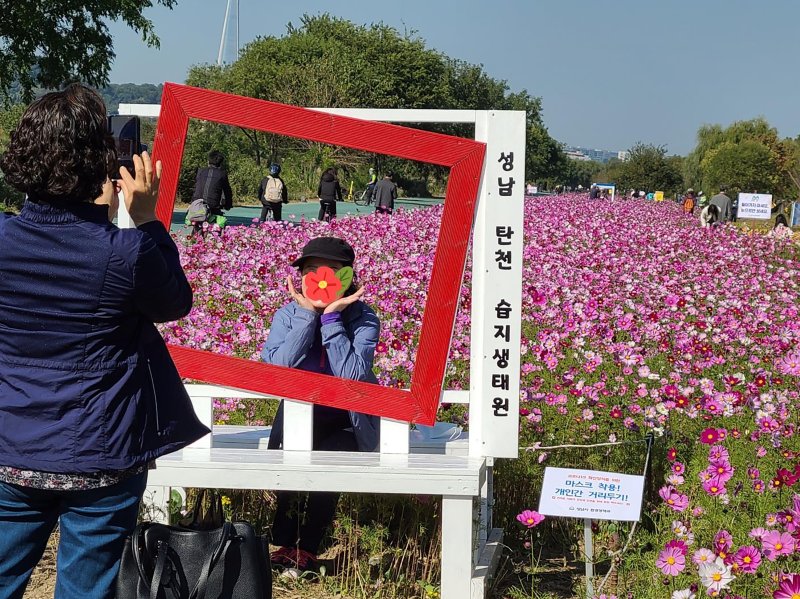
(327, 61)
(582, 172)
(115, 94)
(648, 168)
(9, 197)
(745, 166)
(756, 144)
(48, 43)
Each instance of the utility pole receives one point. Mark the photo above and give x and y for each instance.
(229, 48)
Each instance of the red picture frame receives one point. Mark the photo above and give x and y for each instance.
(463, 156)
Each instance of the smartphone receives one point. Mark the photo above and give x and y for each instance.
(126, 131)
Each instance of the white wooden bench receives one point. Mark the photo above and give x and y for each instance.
(235, 457)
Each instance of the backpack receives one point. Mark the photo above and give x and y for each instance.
(197, 212)
(688, 204)
(273, 192)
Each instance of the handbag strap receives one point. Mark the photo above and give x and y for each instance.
(199, 591)
(158, 571)
(137, 552)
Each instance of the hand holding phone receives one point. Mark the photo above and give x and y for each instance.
(126, 131)
(141, 192)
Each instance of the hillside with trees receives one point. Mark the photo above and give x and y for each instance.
(327, 61)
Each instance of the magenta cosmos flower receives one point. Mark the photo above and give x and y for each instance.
(671, 561)
(677, 501)
(709, 436)
(789, 588)
(530, 518)
(747, 559)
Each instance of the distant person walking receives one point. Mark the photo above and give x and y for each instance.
(385, 194)
(273, 194)
(213, 187)
(594, 192)
(689, 201)
(373, 181)
(329, 192)
(723, 204)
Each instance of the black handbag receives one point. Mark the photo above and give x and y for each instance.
(168, 562)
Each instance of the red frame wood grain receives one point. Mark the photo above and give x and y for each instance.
(464, 157)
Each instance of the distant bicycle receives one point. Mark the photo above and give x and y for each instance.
(366, 197)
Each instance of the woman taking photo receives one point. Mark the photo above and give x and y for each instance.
(88, 392)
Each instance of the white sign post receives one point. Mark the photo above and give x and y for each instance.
(591, 495)
(497, 286)
(755, 205)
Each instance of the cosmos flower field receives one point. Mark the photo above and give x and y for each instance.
(635, 321)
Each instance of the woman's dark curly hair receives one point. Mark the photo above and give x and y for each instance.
(61, 151)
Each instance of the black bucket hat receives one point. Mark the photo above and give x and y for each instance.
(330, 248)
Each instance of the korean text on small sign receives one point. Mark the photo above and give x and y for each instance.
(591, 494)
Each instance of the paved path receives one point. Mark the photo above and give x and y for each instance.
(295, 211)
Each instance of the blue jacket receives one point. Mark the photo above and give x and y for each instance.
(296, 339)
(86, 382)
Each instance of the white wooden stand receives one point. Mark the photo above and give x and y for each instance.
(458, 470)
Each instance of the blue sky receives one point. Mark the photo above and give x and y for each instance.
(610, 72)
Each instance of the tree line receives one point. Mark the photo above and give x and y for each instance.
(746, 156)
(328, 61)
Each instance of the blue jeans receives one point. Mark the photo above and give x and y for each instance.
(93, 526)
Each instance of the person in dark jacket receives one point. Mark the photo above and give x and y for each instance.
(88, 392)
(329, 192)
(212, 186)
(272, 193)
(723, 204)
(385, 194)
(338, 339)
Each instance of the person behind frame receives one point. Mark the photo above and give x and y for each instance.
(338, 339)
(88, 392)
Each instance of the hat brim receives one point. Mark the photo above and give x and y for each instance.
(299, 262)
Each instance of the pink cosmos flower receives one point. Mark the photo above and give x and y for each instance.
(776, 543)
(671, 561)
(530, 518)
(747, 558)
(713, 488)
(718, 452)
(723, 541)
(675, 500)
(789, 364)
(679, 545)
(721, 470)
(703, 556)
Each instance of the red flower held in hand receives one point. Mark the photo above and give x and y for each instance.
(322, 285)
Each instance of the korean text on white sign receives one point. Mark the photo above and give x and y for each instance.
(755, 205)
(591, 494)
